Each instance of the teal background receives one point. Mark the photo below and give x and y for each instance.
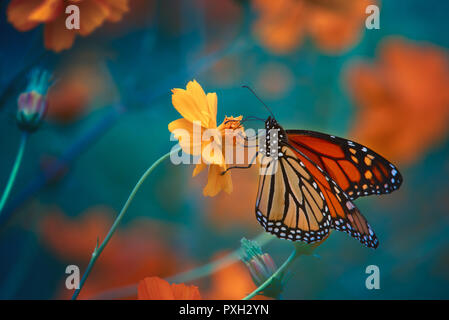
(107, 149)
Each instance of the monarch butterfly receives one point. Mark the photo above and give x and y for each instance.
(309, 179)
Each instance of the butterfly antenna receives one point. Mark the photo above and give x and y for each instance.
(249, 118)
(245, 86)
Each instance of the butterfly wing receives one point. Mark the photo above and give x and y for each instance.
(344, 214)
(299, 201)
(289, 202)
(358, 170)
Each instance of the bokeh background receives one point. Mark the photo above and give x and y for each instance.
(312, 61)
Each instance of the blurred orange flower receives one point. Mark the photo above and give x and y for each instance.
(233, 282)
(334, 25)
(199, 113)
(26, 15)
(402, 99)
(155, 288)
(82, 84)
(68, 100)
(133, 253)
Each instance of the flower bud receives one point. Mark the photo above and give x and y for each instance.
(32, 104)
(261, 267)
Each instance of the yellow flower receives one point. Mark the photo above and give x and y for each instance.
(199, 111)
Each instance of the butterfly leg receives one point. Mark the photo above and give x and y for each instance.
(243, 167)
(248, 142)
(236, 167)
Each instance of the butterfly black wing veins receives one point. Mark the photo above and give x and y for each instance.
(386, 179)
(298, 211)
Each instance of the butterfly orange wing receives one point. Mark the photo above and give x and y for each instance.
(356, 169)
(345, 216)
(286, 203)
(289, 202)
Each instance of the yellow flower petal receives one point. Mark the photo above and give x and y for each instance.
(197, 107)
(198, 168)
(212, 102)
(217, 182)
(212, 150)
(183, 131)
(193, 105)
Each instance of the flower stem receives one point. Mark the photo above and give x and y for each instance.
(281, 269)
(207, 269)
(15, 169)
(99, 249)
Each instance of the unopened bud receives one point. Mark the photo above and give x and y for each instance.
(32, 104)
(261, 267)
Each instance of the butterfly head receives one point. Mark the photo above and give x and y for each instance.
(270, 123)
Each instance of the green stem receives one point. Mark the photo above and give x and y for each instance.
(99, 249)
(281, 269)
(15, 169)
